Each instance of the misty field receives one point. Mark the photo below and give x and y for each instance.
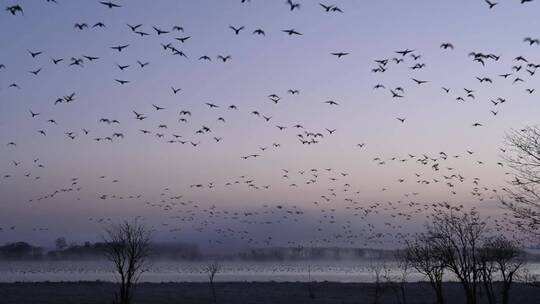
(184, 271)
(344, 271)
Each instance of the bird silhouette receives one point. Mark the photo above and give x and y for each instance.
(236, 29)
(224, 58)
(34, 54)
(119, 48)
(491, 4)
(340, 54)
(291, 32)
(447, 45)
(109, 4)
(14, 9)
(159, 31)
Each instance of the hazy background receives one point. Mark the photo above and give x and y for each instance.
(146, 165)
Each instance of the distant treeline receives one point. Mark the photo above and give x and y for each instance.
(183, 251)
(26, 251)
(334, 253)
(191, 252)
(315, 253)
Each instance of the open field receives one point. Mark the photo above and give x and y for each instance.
(238, 292)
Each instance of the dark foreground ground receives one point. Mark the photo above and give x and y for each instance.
(241, 293)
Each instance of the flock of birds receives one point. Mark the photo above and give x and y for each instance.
(340, 214)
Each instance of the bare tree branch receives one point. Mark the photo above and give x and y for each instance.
(127, 247)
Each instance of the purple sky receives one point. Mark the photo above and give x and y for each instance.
(160, 172)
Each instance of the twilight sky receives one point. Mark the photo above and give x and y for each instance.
(52, 185)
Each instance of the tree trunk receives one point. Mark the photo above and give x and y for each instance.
(403, 296)
(470, 294)
(437, 287)
(127, 297)
(213, 292)
(122, 296)
(401, 293)
(505, 293)
(377, 293)
(439, 293)
(491, 297)
(471, 298)
(489, 293)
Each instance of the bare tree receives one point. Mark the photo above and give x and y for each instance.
(458, 236)
(127, 246)
(398, 280)
(211, 270)
(377, 265)
(311, 290)
(507, 257)
(523, 196)
(487, 268)
(427, 259)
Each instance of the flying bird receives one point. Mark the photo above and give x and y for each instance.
(491, 4)
(224, 58)
(340, 54)
(109, 4)
(292, 32)
(119, 48)
(159, 31)
(14, 9)
(122, 82)
(447, 45)
(236, 29)
(531, 41)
